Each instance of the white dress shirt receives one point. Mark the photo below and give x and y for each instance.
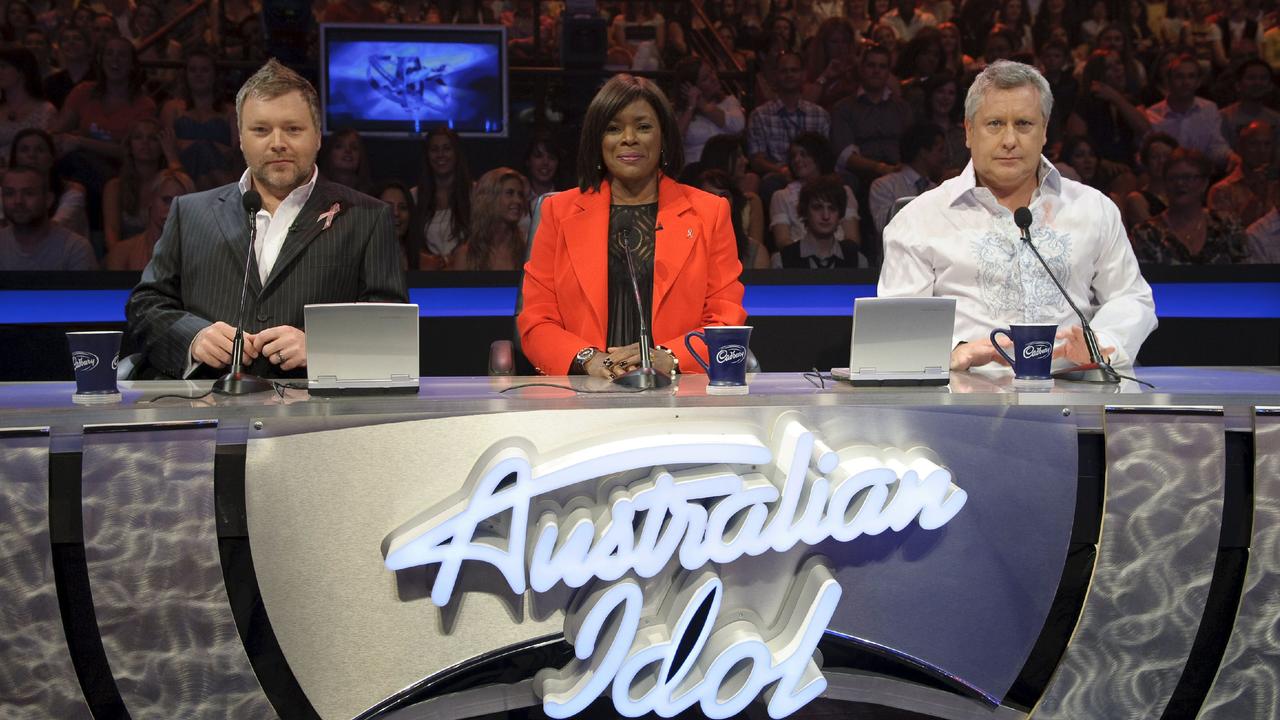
(273, 227)
(958, 241)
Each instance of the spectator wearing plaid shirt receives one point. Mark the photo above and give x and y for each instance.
(773, 125)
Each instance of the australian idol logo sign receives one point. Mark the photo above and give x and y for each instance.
(82, 361)
(643, 555)
(731, 354)
(1037, 349)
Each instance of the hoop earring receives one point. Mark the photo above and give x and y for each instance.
(599, 168)
(662, 158)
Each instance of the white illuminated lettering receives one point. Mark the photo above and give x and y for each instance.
(725, 496)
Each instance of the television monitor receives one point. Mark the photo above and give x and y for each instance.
(402, 80)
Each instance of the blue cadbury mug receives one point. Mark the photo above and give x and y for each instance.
(1032, 349)
(726, 352)
(94, 357)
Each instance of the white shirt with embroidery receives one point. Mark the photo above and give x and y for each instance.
(957, 241)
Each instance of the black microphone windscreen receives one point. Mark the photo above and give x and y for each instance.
(1022, 218)
(252, 202)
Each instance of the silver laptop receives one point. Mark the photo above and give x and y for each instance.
(362, 348)
(900, 341)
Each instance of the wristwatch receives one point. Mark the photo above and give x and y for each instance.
(583, 357)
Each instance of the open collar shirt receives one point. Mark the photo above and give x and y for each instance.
(273, 227)
(958, 241)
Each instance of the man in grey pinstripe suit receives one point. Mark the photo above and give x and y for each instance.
(317, 242)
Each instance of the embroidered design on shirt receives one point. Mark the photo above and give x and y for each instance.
(1011, 282)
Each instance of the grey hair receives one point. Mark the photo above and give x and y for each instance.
(273, 80)
(1007, 75)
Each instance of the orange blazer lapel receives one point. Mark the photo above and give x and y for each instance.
(586, 239)
(678, 231)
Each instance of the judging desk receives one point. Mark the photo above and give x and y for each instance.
(975, 551)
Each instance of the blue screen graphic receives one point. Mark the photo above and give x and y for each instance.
(407, 86)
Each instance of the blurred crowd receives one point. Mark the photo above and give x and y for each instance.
(816, 119)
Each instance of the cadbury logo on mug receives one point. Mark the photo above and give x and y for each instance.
(83, 361)
(1032, 357)
(1037, 349)
(95, 377)
(731, 354)
(726, 351)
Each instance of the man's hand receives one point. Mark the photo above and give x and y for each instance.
(212, 346)
(283, 345)
(1074, 348)
(978, 352)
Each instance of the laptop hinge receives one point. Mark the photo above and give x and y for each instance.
(932, 369)
(399, 376)
(326, 378)
(866, 370)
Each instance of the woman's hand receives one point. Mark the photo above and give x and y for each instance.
(621, 360)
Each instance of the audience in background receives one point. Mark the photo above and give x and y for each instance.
(1150, 197)
(34, 148)
(134, 253)
(22, 103)
(1254, 86)
(495, 242)
(703, 108)
(810, 157)
(203, 124)
(865, 127)
(344, 161)
(1251, 189)
(442, 199)
(1187, 232)
(30, 240)
(944, 107)
(1131, 81)
(1112, 178)
(1193, 120)
(924, 160)
(148, 149)
(543, 165)
(821, 207)
(398, 196)
(746, 213)
(75, 64)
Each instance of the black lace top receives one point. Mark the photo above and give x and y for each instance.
(638, 221)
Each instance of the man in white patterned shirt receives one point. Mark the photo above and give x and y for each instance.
(959, 239)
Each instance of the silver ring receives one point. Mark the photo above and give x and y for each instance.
(279, 358)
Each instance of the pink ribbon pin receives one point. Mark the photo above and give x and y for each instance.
(327, 217)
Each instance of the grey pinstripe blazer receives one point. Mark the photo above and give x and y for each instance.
(195, 275)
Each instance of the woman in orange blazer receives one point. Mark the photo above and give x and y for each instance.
(579, 314)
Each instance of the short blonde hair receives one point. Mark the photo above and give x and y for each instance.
(273, 80)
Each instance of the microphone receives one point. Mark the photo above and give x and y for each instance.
(643, 377)
(1097, 369)
(236, 381)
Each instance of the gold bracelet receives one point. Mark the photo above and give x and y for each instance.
(675, 361)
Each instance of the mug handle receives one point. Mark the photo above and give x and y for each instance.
(996, 345)
(690, 335)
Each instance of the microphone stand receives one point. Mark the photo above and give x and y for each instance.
(1097, 369)
(236, 381)
(643, 377)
